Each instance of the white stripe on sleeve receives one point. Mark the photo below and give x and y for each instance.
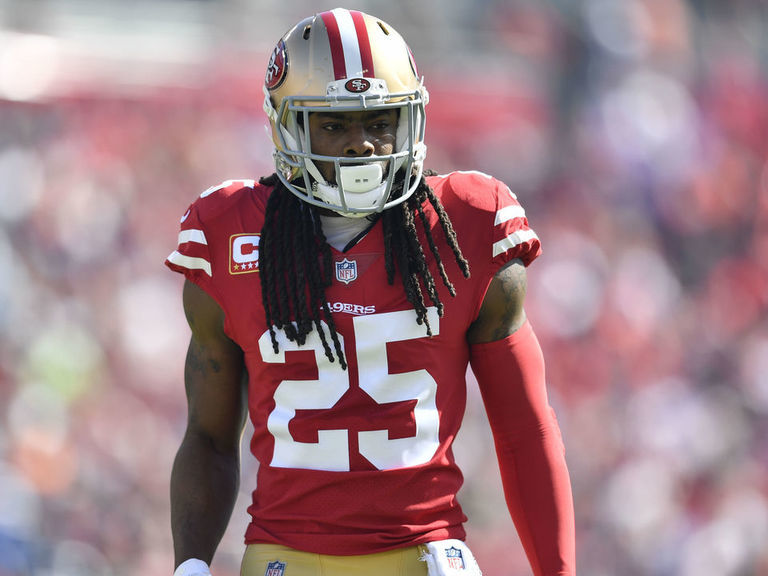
(190, 263)
(508, 213)
(513, 240)
(192, 235)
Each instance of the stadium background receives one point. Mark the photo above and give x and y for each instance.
(635, 133)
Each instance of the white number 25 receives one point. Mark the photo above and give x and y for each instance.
(331, 451)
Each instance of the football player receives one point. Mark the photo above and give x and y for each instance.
(337, 304)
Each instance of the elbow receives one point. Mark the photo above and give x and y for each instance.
(542, 432)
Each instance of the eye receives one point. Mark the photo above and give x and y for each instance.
(380, 124)
(331, 126)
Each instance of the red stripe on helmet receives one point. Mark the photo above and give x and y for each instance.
(337, 49)
(366, 57)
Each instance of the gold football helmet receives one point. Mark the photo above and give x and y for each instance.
(348, 61)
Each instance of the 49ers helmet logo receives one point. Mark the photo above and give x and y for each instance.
(278, 63)
(357, 85)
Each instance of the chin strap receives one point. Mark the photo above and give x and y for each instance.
(361, 184)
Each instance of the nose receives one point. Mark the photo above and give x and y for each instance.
(359, 141)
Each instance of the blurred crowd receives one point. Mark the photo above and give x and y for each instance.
(636, 136)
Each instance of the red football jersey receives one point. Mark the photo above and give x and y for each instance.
(355, 461)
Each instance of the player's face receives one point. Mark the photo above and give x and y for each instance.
(351, 134)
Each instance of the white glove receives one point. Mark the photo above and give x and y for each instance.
(450, 558)
(193, 567)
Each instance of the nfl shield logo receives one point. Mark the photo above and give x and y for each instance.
(346, 271)
(454, 558)
(275, 568)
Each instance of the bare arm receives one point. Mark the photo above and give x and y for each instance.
(502, 311)
(206, 471)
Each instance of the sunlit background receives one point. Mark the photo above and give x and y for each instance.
(635, 132)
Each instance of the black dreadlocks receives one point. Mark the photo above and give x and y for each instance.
(296, 266)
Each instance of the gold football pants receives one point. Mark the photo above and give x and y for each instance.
(274, 560)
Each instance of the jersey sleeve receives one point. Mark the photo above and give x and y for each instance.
(192, 256)
(512, 235)
(201, 227)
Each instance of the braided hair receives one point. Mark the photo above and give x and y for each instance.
(296, 265)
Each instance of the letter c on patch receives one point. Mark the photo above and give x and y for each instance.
(245, 249)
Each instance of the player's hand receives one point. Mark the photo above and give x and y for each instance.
(193, 567)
